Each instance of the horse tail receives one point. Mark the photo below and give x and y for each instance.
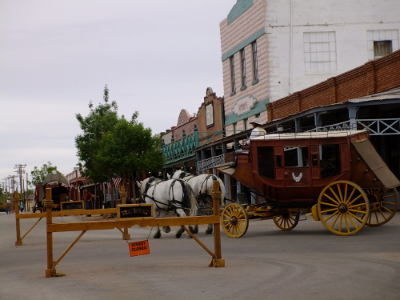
(223, 191)
(192, 199)
(221, 188)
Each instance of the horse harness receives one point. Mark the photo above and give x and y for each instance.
(172, 203)
(189, 176)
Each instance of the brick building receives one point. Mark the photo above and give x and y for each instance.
(273, 48)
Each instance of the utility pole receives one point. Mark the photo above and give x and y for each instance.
(21, 179)
(20, 172)
(11, 183)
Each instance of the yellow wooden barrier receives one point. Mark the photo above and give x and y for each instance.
(217, 260)
(65, 213)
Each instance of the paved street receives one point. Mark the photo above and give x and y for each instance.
(266, 263)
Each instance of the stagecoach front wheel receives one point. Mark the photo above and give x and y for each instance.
(235, 220)
(383, 205)
(287, 221)
(343, 207)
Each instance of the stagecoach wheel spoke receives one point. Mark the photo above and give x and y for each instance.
(343, 207)
(383, 205)
(287, 221)
(235, 220)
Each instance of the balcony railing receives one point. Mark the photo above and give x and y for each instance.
(210, 162)
(374, 126)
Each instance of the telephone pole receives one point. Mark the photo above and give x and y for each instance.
(20, 172)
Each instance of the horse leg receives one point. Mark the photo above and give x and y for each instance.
(194, 229)
(166, 229)
(157, 235)
(180, 213)
(159, 214)
(209, 229)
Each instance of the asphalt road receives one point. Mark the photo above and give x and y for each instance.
(266, 263)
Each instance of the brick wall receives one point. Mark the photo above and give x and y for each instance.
(218, 112)
(372, 77)
(188, 127)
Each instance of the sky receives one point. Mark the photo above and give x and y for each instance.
(156, 57)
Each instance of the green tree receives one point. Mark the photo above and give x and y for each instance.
(130, 149)
(111, 145)
(2, 195)
(101, 119)
(38, 175)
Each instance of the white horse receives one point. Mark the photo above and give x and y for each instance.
(202, 186)
(171, 195)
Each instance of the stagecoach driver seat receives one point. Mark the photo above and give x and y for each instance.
(257, 131)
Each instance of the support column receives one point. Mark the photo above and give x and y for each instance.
(297, 125)
(352, 117)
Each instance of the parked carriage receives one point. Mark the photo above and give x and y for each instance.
(60, 188)
(337, 177)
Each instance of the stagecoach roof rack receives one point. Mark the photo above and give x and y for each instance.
(309, 134)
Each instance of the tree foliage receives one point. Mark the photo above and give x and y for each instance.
(101, 119)
(39, 175)
(129, 148)
(111, 145)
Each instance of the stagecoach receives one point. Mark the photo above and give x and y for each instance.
(337, 177)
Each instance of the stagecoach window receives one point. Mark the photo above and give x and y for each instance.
(265, 161)
(330, 160)
(296, 157)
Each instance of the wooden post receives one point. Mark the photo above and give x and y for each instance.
(218, 261)
(18, 242)
(48, 203)
(122, 193)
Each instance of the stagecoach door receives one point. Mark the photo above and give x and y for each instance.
(296, 173)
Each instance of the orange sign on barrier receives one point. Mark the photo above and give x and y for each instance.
(139, 248)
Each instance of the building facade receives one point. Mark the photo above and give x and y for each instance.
(273, 48)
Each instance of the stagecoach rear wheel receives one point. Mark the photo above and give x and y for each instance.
(235, 220)
(383, 205)
(343, 207)
(287, 221)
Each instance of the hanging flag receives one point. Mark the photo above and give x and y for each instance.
(117, 182)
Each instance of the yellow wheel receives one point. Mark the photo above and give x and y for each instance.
(235, 220)
(383, 205)
(287, 221)
(343, 207)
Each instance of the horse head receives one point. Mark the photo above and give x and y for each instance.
(180, 174)
(144, 184)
